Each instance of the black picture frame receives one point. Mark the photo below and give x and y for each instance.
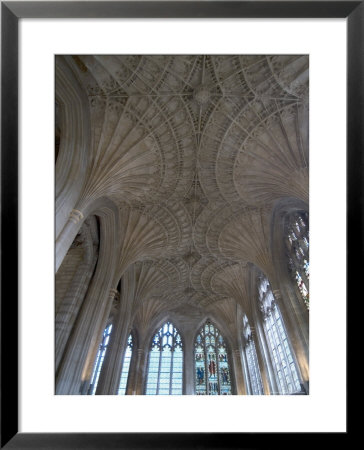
(11, 12)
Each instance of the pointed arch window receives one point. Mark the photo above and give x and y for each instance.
(212, 370)
(126, 366)
(279, 346)
(165, 368)
(255, 379)
(297, 244)
(100, 359)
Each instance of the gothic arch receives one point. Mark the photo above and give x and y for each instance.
(212, 317)
(73, 156)
(95, 309)
(72, 281)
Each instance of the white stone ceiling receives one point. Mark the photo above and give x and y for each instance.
(195, 150)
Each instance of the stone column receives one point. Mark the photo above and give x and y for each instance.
(89, 367)
(264, 359)
(266, 370)
(72, 301)
(262, 366)
(85, 338)
(67, 236)
(109, 380)
(238, 372)
(189, 367)
(141, 371)
(246, 372)
(132, 377)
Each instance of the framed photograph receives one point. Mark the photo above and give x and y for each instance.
(188, 160)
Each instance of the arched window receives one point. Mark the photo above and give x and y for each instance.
(297, 243)
(165, 367)
(100, 359)
(280, 349)
(126, 365)
(212, 372)
(255, 378)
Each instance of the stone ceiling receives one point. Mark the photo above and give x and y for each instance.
(195, 151)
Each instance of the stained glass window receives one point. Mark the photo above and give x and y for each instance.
(279, 346)
(297, 244)
(212, 372)
(165, 368)
(126, 365)
(100, 359)
(255, 378)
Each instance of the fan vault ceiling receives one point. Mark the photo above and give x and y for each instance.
(195, 151)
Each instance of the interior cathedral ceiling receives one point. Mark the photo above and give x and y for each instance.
(195, 151)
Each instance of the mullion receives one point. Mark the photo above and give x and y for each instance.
(206, 365)
(171, 366)
(159, 362)
(214, 351)
(217, 363)
(202, 335)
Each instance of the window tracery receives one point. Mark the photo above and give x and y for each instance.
(279, 346)
(297, 244)
(165, 370)
(212, 371)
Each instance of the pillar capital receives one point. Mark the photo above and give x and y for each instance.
(253, 332)
(141, 352)
(277, 294)
(114, 294)
(75, 216)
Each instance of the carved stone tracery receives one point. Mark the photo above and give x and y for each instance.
(195, 150)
